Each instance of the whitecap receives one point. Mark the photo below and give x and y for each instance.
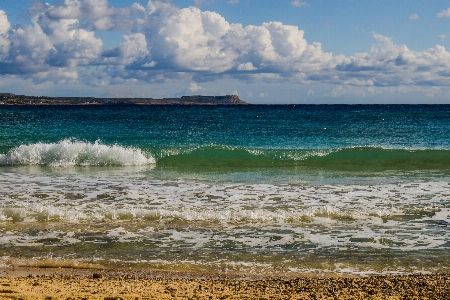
(70, 152)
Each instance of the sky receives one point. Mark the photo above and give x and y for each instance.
(266, 51)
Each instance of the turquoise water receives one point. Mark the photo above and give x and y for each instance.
(277, 189)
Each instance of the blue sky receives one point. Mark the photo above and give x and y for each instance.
(317, 51)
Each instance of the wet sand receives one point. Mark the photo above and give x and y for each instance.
(62, 283)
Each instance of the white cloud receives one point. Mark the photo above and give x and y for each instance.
(69, 44)
(34, 50)
(388, 64)
(276, 47)
(194, 40)
(193, 87)
(4, 23)
(4, 41)
(444, 36)
(298, 3)
(246, 67)
(149, 64)
(96, 12)
(444, 14)
(132, 49)
(63, 75)
(414, 17)
(31, 47)
(135, 46)
(73, 46)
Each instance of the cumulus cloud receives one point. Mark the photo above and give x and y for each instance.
(194, 40)
(42, 50)
(30, 51)
(444, 14)
(4, 41)
(134, 48)
(164, 42)
(149, 64)
(246, 67)
(63, 75)
(97, 14)
(70, 46)
(193, 87)
(389, 64)
(4, 23)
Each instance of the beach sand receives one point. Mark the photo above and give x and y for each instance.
(64, 283)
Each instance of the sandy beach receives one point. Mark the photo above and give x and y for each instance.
(63, 283)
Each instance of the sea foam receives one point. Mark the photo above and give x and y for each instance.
(70, 152)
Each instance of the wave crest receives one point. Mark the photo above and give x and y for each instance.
(75, 153)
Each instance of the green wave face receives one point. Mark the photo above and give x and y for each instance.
(378, 159)
(348, 159)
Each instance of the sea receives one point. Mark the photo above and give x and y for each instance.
(251, 189)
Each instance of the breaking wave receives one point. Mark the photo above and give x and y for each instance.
(70, 152)
(75, 153)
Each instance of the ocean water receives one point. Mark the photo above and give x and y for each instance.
(259, 189)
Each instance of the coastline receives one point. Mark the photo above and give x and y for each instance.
(13, 99)
(67, 283)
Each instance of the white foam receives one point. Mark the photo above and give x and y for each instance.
(75, 153)
(194, 216)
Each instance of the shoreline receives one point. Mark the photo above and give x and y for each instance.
(67, 283)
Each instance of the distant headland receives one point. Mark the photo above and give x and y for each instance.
(13, 99)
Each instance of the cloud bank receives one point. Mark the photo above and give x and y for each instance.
(162, 42)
